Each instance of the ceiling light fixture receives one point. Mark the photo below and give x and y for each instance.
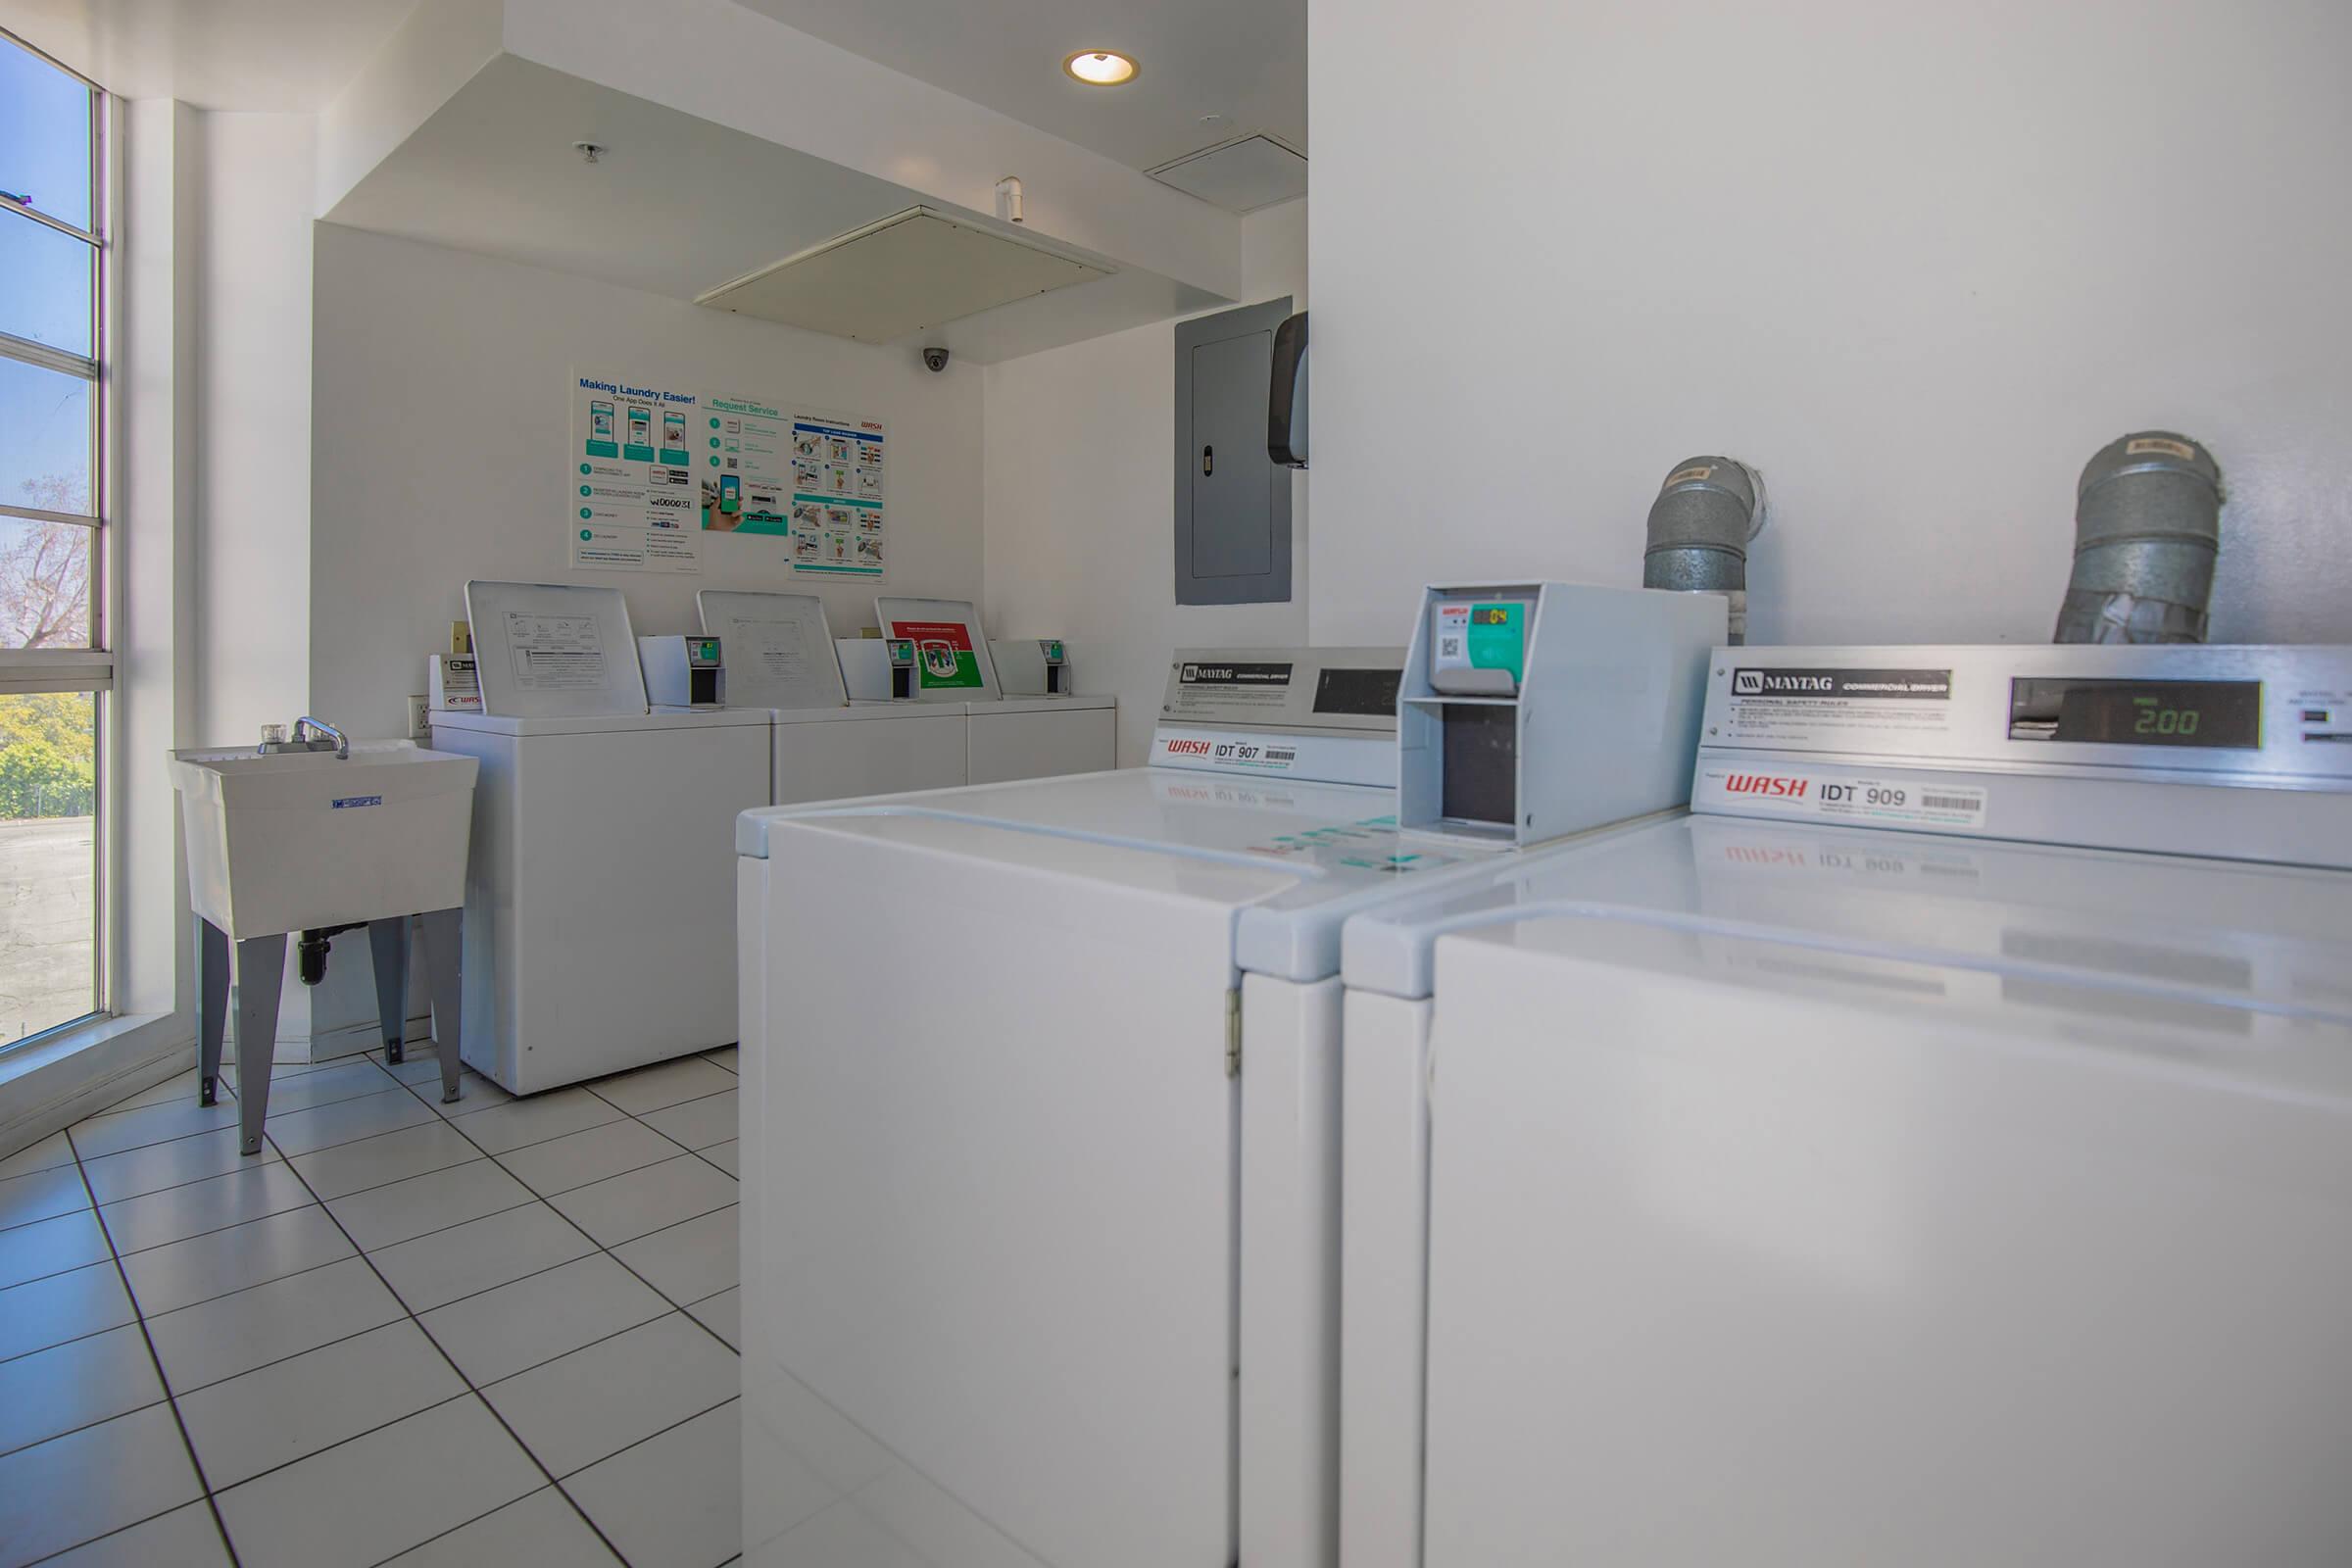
(1101, 68)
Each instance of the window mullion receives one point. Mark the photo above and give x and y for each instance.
(47, 358)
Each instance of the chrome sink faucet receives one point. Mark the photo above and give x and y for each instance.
(310, 735)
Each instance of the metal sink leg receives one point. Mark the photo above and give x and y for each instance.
(261, 970)
(212, 1006)
(443, 931)
(388, 945)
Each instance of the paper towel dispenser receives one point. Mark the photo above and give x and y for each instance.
(1285, 403)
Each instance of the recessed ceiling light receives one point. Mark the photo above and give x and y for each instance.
(1101, 68)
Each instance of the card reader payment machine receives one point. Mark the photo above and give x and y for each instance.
(1032, 666)
(878, 669)
(683, 671)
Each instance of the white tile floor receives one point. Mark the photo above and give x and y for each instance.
(499, 1332)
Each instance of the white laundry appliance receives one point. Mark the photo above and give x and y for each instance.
(1025, 723)
(598, 931)
(1041, 1108)
(1936, 1150)
(781, 657)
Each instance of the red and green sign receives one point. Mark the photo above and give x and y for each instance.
(944, 658)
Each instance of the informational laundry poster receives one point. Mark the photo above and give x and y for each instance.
(747, 477)
(838, 488)
(631, 477)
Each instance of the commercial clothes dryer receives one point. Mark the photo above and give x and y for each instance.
(1041, 1105)
(1938, 1150)
(598, 929)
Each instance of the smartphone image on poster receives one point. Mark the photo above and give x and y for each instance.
(673, 431)
(600, 420)
(641, 426)
(730, 492)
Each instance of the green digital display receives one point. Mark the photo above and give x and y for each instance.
(2219, 714)
(1491, 615)
(707, 649)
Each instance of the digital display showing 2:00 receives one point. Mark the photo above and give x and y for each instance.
(2225, 714)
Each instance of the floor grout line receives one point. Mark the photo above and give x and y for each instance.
(79, 1337)
(419, 1091)
(390, 1083)
(95, 1421)
(155, 1359)
(622, 1261)
(512, 1435)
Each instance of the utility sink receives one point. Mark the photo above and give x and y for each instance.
(299, 840)
(289, 837)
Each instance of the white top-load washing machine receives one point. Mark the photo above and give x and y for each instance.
(1936, 1150)
(781, 657)
(1042, 1098)
(597, 930)
(1025, 723)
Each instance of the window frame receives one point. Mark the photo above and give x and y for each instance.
(35, 671)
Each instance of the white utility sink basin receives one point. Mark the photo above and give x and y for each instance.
(297, 840)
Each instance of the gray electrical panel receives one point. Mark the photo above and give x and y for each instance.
(1233, 503)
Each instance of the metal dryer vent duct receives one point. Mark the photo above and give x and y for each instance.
(1699, 527)
(2148, 527)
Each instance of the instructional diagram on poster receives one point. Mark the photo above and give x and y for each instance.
(837, 468)
(656, 470)
(632, 507)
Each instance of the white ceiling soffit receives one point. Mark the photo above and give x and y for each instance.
(1240, 176)
(675, 202)
(246, 55)
(1243, 62)
(912, 270)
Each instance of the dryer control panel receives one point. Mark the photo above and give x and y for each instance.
(1323, 714)
(2241, 752)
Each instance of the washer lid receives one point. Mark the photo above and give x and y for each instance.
(1292, 862)
(2086, 932)
(554, 650)
(669, 718)
(778, 648)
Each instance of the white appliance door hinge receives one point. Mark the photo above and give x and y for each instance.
(1233, 1033)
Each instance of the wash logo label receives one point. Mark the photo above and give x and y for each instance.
(346, 802)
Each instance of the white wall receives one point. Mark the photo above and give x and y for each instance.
(1917, 262)
(254, 421)
(441, 399)
(1080, 501)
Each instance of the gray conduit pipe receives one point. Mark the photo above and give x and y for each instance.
(2147, 527)
(1707, 510)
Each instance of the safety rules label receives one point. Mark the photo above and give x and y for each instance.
(1797, 705)
(1894, 802)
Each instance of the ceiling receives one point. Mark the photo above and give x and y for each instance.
(1243, 61)
(291, 55)
(676, 205)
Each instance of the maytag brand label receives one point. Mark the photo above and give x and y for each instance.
(1245, 674)
(1904, 685)
(1886, 802)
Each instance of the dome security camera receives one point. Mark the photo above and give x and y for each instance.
(935, 360)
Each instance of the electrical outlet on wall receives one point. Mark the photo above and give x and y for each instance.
(417, 728)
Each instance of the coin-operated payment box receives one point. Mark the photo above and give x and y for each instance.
(683, 671)
(878, 669)
(1530, 711)
(1032, 666)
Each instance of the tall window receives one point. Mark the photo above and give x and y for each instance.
(55, 671)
